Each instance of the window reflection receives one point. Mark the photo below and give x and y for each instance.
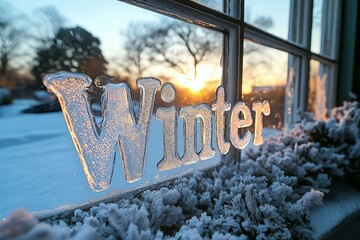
(324, 27)
(270, 16)
(264, 78)
(49, 38)
(186, 55)
(316, 26)
(215, 4)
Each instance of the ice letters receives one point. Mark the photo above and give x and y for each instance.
(96, 143)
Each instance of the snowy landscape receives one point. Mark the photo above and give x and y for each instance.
(41, 168)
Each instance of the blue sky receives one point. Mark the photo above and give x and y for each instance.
(105, 19)
(278, 10)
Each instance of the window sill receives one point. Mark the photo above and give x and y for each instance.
(339, 216)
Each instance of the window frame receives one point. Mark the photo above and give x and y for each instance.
(298, 45)
(231, 23)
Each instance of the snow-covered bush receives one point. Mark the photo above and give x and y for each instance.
(341, 133)
(265, 196)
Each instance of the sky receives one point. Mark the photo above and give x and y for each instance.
(107, 19)
(278, 10)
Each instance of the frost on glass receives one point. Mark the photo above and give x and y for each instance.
(96, 145)
(289, 95)
(321, 97)
(317, 102)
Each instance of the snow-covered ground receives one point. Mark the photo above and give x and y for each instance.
(40, 168)
(39, 165)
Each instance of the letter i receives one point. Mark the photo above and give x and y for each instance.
(168, 116)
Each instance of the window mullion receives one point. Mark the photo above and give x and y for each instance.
(232, 8)
(305, 58)
(332, 90)
(335, 34)
(328, 47)
(297, 64)
(239, 66)
(321, 58)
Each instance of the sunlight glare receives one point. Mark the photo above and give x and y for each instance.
(206, 73)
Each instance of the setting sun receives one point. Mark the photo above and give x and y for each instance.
(205, 73)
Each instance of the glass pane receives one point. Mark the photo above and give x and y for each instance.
(40, 167)
(264, 78)
(324, 27)
(215, 4)
(318, 83)
(270, 16)
(316, 26)
(186, 55)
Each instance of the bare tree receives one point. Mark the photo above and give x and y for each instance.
(174, 43)
(47, 24)
(181, 46)
(11, 37)
(178, 45)
(135, 62)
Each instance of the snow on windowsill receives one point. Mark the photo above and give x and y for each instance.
(266, 195)
(340, 207)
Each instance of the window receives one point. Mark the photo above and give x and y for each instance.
(310, 37)
(265, 78)
(282, 52)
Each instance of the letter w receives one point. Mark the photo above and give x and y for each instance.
(96, 145)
